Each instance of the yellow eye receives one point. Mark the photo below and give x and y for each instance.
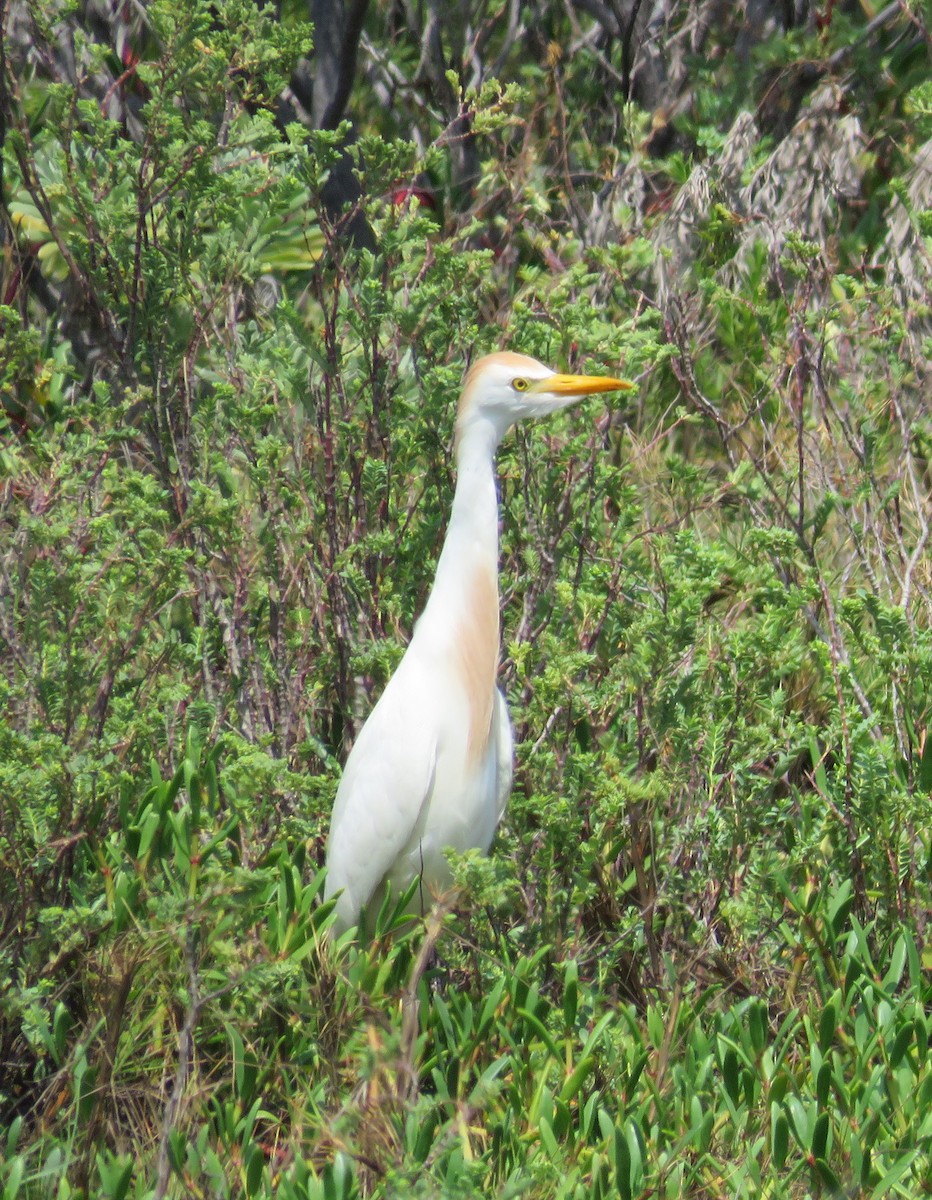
(519, 384)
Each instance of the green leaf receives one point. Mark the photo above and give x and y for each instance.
(255, 1168)
(623, 1165)
(892, 1176)
(820, 1135)
(115, 1174)
(549, 1140)
(570, 993)
(823, 1083)
(731, 1075)
(779, 1136)
(840, 906)
(15, 1171)
(828, 1176)
(901, 1043)
(539, 1030)
(894, 974)
(828, 1022)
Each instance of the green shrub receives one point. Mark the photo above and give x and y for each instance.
(695, 962)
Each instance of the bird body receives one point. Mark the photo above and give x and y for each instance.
(432, 769)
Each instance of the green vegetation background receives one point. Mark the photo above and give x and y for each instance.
(696, 962)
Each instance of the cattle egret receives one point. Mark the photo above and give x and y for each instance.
(431, 769)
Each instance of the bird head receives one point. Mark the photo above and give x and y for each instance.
(502, 389)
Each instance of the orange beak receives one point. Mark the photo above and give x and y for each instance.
(580, 385)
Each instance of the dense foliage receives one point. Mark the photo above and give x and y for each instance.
(696, 963)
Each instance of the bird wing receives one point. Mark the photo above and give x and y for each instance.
(504, 741)
(384, 794)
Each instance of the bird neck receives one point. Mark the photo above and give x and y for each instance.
(458, 632)
(469, 558)
(473, 525)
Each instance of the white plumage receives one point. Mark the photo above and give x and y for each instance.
(432, 767)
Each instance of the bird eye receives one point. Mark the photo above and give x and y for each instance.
(519, 384)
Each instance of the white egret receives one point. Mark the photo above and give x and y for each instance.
(431, 768)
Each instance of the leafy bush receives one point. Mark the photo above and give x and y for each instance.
(695, 963)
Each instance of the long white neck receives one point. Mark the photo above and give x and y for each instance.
(459, 628)
(472, 535)
(467, 572)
